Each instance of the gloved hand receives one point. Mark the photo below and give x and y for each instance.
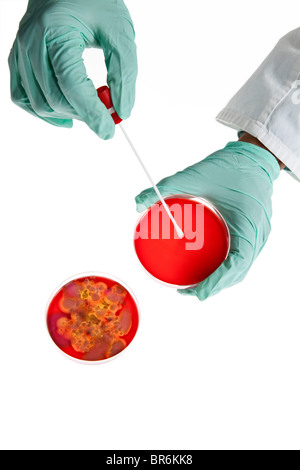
(48, 76)
(238, 181)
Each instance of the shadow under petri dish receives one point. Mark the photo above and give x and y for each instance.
(92, 318)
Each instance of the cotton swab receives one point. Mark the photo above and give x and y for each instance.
(176, 226)
(105, 97)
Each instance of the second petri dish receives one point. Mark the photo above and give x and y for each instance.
(92, 317)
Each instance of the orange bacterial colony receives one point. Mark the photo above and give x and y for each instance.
(92, 318)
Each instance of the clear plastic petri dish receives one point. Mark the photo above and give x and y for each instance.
(182, 262)
(92, 317)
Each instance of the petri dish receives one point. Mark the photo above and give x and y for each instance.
(92, 317)
(182, 263)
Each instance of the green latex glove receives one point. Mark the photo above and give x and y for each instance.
(238, 181)
(48, 76)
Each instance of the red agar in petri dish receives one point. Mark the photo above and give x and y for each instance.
(92, 318)
(188, 261)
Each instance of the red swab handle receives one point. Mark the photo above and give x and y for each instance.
(105, 97)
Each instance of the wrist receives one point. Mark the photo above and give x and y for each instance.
(253, 140)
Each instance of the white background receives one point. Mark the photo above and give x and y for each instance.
(222, 374)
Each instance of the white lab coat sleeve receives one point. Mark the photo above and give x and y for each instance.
(268, 105)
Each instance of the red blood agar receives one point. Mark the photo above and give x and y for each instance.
(92, 318)
(188, 261)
